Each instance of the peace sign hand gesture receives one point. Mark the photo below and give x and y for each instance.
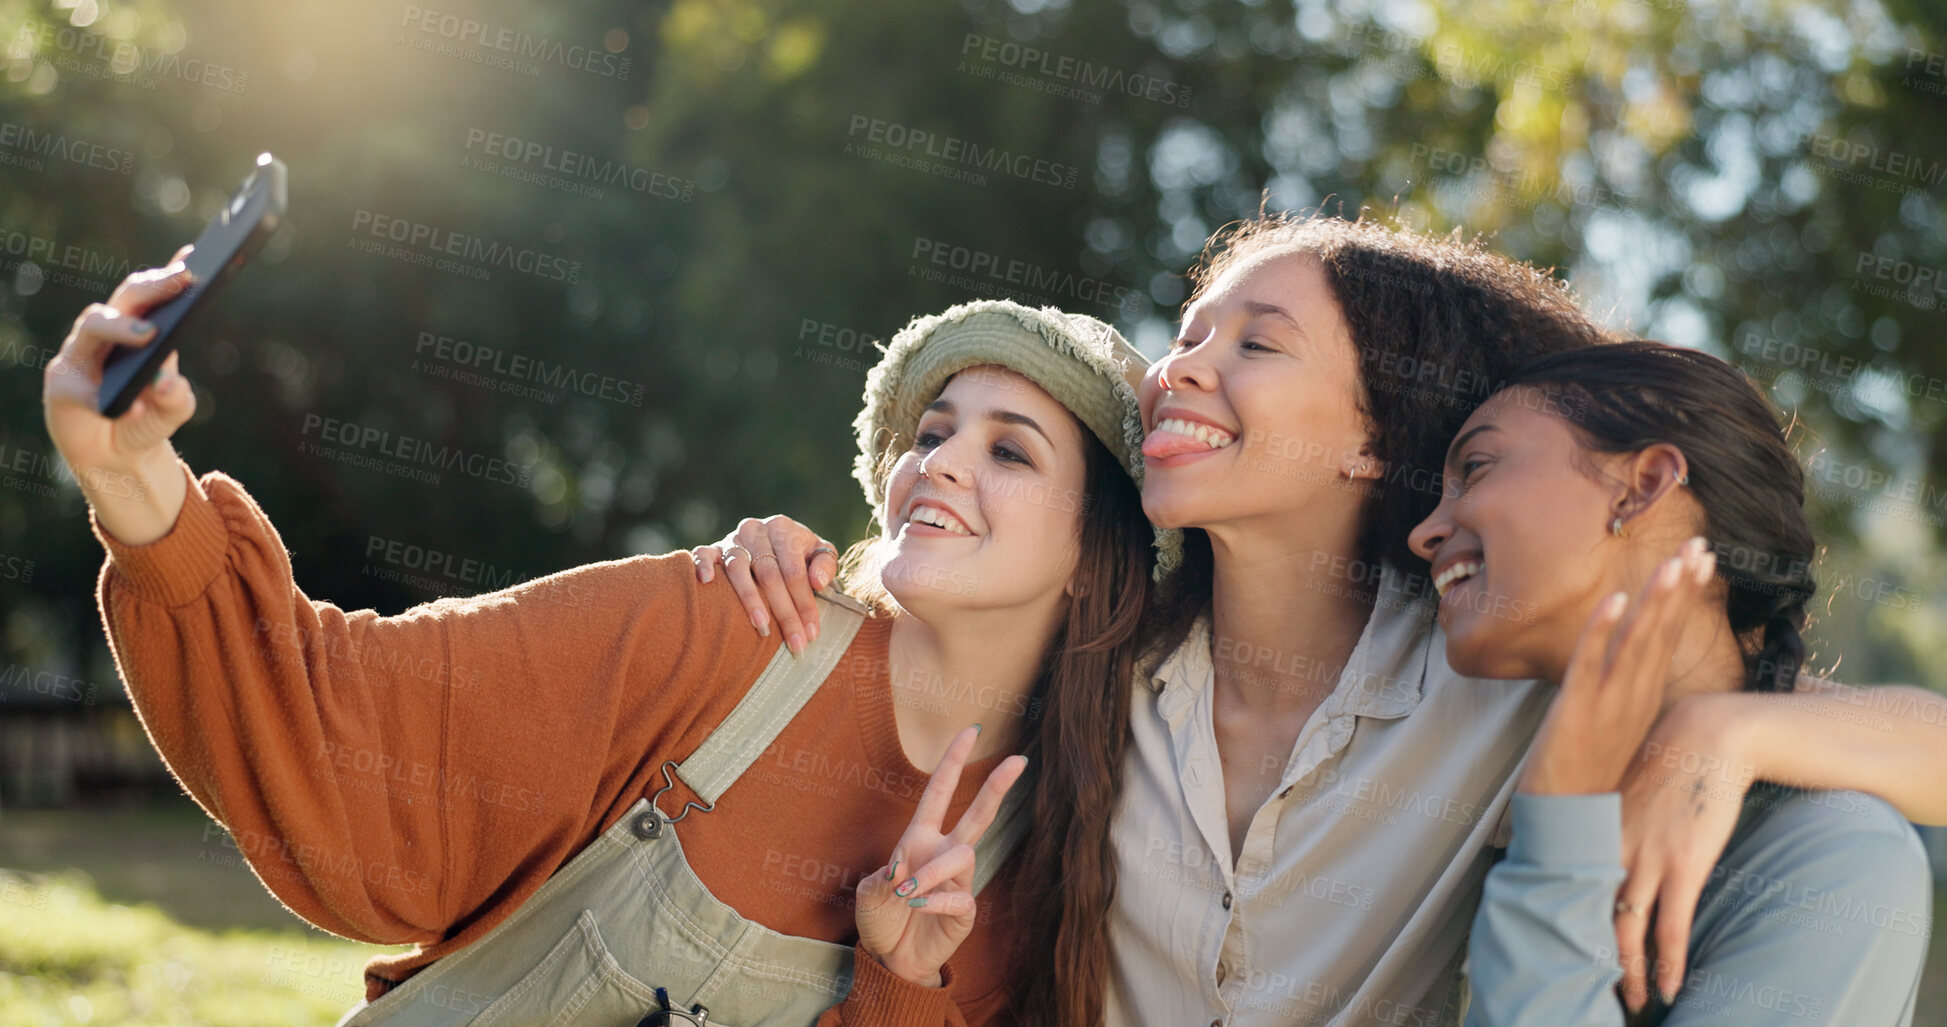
(913, 920)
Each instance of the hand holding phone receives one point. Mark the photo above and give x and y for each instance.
(237, 232)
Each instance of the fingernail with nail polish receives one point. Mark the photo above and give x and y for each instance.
(891, 870)
(910, 886)
(916, 903)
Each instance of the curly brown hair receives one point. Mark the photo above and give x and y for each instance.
(1438, 321)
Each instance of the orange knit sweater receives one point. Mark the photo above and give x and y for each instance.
(414, 778)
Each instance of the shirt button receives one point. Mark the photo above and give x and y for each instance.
(1216, 1023)
(1226, 900)
(1286, 794)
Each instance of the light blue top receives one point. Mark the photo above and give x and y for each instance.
(1818, 912)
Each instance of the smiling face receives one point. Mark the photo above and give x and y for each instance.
(984, 511)
(1519, 544)
(1261, 417)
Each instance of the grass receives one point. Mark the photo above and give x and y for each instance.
(142, 915)
(69, 956)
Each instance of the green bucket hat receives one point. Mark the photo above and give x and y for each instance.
(1085, 364)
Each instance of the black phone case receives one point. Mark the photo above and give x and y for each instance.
(230, 239)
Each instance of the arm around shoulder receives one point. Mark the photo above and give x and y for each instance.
(1822, 915)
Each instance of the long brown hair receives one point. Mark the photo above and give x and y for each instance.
(1438, 322)
(1076, 731)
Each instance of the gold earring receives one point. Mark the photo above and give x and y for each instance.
(1616, 528)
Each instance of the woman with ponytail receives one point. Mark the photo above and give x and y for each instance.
(1658, 473)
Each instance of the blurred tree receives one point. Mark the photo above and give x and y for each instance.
(707, 205)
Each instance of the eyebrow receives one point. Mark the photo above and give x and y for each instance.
(1454, 449)
(1257, 308)
(1003, 416)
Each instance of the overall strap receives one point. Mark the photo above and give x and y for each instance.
(776, 697)
(782, 690)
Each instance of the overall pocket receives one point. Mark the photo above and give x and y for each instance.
(579, 982)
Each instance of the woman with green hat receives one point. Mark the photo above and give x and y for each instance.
(598, 796)
(1310, 796)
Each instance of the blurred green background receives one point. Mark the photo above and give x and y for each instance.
(710, 208)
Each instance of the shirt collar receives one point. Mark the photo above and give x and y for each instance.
(1383, 679)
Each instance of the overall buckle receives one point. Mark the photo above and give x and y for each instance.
(648, 824)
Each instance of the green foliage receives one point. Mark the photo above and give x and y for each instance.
(1676, 160)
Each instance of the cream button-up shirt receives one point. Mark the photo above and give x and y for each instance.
(1352, 897)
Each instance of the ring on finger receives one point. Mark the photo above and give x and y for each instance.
(765, 556)
(735, 550)
(824, 549)
(1626, 907)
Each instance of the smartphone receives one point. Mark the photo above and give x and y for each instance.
(236, 233)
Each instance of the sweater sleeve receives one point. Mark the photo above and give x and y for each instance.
(396, 779)
(1542, 952)
(881, 998)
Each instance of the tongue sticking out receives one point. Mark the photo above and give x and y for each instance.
(1168, 443)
